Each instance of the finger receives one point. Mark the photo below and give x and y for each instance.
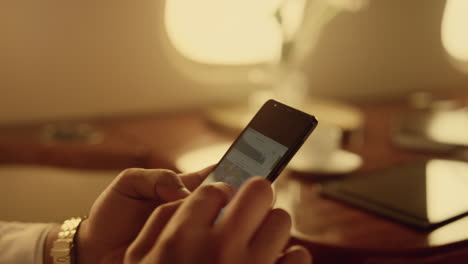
(272, 236)
(202, 207)
(194, 179)
(151, 230)
(154, 184)
(248, 209)
(296, 255)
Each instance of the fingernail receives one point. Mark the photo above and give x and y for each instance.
(171, 193)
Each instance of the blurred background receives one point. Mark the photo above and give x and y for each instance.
(88, 88)
(79, 59)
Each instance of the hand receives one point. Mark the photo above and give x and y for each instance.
(122, 209)
(190, 231)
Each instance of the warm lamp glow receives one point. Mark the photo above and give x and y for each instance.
(455, 30)
(223, 32)
(447, 183)
(449, 127)
(229, 32)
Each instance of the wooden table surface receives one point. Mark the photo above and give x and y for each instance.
(338, 233)
(334, 232)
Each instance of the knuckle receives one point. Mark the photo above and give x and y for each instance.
(177, 236)
(132, 256)
(165, 173)
(282, 218)
(167, 177)
(212, 191)
(282, 215)
(164, 209)
(127, 176)
(172, 244)
(130, 172)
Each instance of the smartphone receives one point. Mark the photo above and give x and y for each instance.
(265, 146)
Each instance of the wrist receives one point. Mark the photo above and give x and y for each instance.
(81, 244)
(85, 252)
(61, 242)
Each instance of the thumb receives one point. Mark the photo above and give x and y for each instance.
(172, 192)
(194, 179)
(155, 184)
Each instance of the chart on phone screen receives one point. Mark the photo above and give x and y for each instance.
(254, 154)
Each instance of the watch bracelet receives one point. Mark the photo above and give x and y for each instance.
(63, 248)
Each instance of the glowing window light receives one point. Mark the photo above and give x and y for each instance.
(229, 32)
(454, 30)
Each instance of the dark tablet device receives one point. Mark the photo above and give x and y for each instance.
(423, 194)
(265, 146)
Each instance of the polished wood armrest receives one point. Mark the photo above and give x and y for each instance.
(135, 141)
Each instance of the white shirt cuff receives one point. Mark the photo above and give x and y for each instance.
(22, 243)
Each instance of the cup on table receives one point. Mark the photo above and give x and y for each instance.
(319, 148)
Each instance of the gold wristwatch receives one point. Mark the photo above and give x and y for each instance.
(63, 247)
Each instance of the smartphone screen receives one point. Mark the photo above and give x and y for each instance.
(265, 146)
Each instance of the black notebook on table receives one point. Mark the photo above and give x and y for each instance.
(423, 194)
